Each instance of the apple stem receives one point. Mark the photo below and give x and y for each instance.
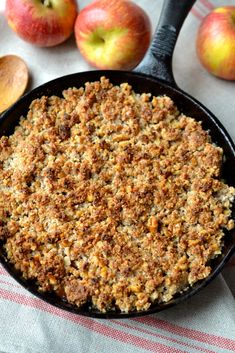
(46, 3)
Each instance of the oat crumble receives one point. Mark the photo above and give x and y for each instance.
(112, 197)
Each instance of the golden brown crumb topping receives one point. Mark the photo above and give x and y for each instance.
(112, 197)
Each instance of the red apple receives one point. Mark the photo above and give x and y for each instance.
(113, 34)
(216, 42)
(42, 22)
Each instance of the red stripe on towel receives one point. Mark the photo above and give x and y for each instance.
(207, 4)
(148, 332)
(211, 339)
(196, 13)
(90, 324)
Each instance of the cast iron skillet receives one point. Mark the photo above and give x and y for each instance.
(153, 75)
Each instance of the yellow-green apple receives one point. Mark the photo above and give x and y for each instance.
(216, 42)
(42, 22)
(113, 34)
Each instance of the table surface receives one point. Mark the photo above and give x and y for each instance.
(206, 322)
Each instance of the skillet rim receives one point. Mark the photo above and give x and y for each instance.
(214, 121)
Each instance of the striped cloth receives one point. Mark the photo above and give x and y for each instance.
(204, 323)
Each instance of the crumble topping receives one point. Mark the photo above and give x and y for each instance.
(112, 197)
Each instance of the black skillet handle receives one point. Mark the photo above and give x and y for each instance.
(158, 60)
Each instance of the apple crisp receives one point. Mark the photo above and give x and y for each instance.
(112, 198)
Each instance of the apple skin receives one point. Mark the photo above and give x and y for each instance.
(113, 34)
(39, 24)
(216, 42)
